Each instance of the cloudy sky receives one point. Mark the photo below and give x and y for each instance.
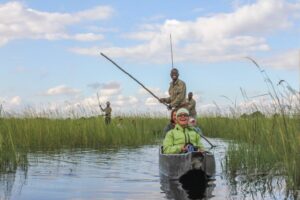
(50, 51)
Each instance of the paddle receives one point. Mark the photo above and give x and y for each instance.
(212, 146)
(171, 51)
(201, 135)
(102, 54)
(99, 102)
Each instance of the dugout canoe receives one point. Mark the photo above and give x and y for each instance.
(174, 166)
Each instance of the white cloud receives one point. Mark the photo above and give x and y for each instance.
(15, 101)
(145, 35)
(218, 37)
(97, 13)
(128, 101)
(151, 102)
(10, 103)
(88, 37)
(155, 91)
(18, 21)
(61, 90)
(78, 37)
(285, 60)
(92, 101)
(109, 89)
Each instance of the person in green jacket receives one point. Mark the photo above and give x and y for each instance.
(178, 139)
(177, 92)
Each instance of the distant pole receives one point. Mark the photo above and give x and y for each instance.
(171, 51)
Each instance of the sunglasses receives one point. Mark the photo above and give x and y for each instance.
(182, 115)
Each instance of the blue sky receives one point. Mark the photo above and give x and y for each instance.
(50, 51)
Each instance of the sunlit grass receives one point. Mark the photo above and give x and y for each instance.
(266, 143)
(19, 136)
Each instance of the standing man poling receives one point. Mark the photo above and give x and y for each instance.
(177, 92)
(191, 105)
(107, 111)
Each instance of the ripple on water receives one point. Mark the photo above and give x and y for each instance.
(128, 173)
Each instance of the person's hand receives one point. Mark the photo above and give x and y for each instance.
(202, 151)
(169, 107)
(183, 149)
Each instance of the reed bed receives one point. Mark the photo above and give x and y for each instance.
(262, 151)
(265, 143)
(19, 136)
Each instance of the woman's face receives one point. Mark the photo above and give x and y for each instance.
(183, 119)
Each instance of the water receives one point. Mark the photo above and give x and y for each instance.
(124, 174)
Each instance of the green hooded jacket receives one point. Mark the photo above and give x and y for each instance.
(176, 138)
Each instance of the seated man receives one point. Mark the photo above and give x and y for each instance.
(182, 137)
(193, 125)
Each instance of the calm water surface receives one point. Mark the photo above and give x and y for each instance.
(125, 174)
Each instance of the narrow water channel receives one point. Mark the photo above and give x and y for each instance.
(112, 174)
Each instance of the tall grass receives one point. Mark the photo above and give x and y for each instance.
(266, 143)
(19, 136)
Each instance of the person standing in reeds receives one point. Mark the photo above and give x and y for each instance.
(182, 138)
(191, 105)
(177, 92)
(107, 111)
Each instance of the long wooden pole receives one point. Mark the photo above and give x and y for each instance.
(171, 51)
(102, 54)
(99, 102)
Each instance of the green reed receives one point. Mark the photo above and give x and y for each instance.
(29, 134)
(262, 146)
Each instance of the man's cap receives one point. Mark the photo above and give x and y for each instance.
(182, 111)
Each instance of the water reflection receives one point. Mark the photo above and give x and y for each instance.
(12, 168)
(127, 173)
(173, 189)
(193, 185)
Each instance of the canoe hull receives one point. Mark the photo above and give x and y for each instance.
(174, 166)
